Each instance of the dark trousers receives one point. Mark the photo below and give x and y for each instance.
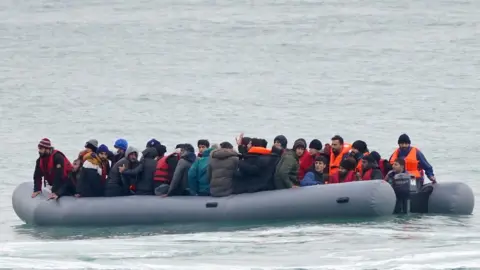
(401, 206)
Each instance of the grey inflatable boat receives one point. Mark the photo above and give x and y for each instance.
(348, 200)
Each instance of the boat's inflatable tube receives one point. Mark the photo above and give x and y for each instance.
(349, 200)
(451, 198)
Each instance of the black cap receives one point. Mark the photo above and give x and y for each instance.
(404, 139)
(316, 144)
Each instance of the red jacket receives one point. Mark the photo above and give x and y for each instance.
(335, 179)
(306, 161)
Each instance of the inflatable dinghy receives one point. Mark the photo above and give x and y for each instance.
(348, 200)
(363, 199)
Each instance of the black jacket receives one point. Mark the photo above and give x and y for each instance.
(142, 175)
(118, 185)
(255, 173)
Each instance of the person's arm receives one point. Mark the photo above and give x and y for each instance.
(424, 164)
(308, 180)
(193, 178)
(37, 178)
(177, 177)
(135, 171)
(282, 172)
(58, 163)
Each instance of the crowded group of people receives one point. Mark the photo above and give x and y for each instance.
(219, 170)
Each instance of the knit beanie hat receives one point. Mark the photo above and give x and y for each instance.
(102, 149)
(347, 164)
(180, 145)
(92, 144)
(45, 143)
(121, 144)
(226, 145)
(404, 139)
(161, 149)
(300, 143)
(361, 146)
(152, 143)
(316, 144)
(282, 140)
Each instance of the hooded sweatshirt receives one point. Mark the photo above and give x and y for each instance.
(142, 175)
(116, 184)
(179, 184)
(198, 183)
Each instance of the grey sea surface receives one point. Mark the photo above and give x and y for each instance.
(184, 70)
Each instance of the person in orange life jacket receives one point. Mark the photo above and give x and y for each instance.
(142, 175)
(90, 183)
(103, 153)
(161, 149)
(383, 164)
(69, 188)
(165, 169)
(53, 166)
(415, 161)
(338, 153)
(202, 145)
(91, 146)
(358, 151)
(370, 170)
(179, 184)
(117, 184)
(244, 144)
(345, 172)
(286, 172)
(315, 175)
(307, 160)
(400, 181)
(121, 145)
(256, 170)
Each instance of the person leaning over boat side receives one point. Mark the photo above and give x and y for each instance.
(345, 172)
(256, 170)
(202, 145)
(307, 160)
(358, 151)
(160, 148)
(198, 183)
(142, 175)
(69, 188)
(339, 151)
(53, 166)
(90, 183)
(179, 184)
(315, 175)
(286, 171)
(121, 145)
(370, 170)
(91, 146)
(118, 185)
(221, 169)
(383, 164)
(415, 161)
(165, 169)
(399, 178)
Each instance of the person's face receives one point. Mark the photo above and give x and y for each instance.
(42, 151)
(313, 151)
(103, 155)
(119, 150)
(397, 168)
(278, 145)
(319, 166)
(354, 151)
(336, 146)
(133, 156)
(202, 148)
(403, 145)
(300, 151)
(364, 164)
(76, 165)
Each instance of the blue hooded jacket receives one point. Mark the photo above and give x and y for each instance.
(421, 159)
(198, 182)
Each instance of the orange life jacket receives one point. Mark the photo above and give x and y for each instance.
(259, 150)
(335, 160)
(411, 162)
(161, 171)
